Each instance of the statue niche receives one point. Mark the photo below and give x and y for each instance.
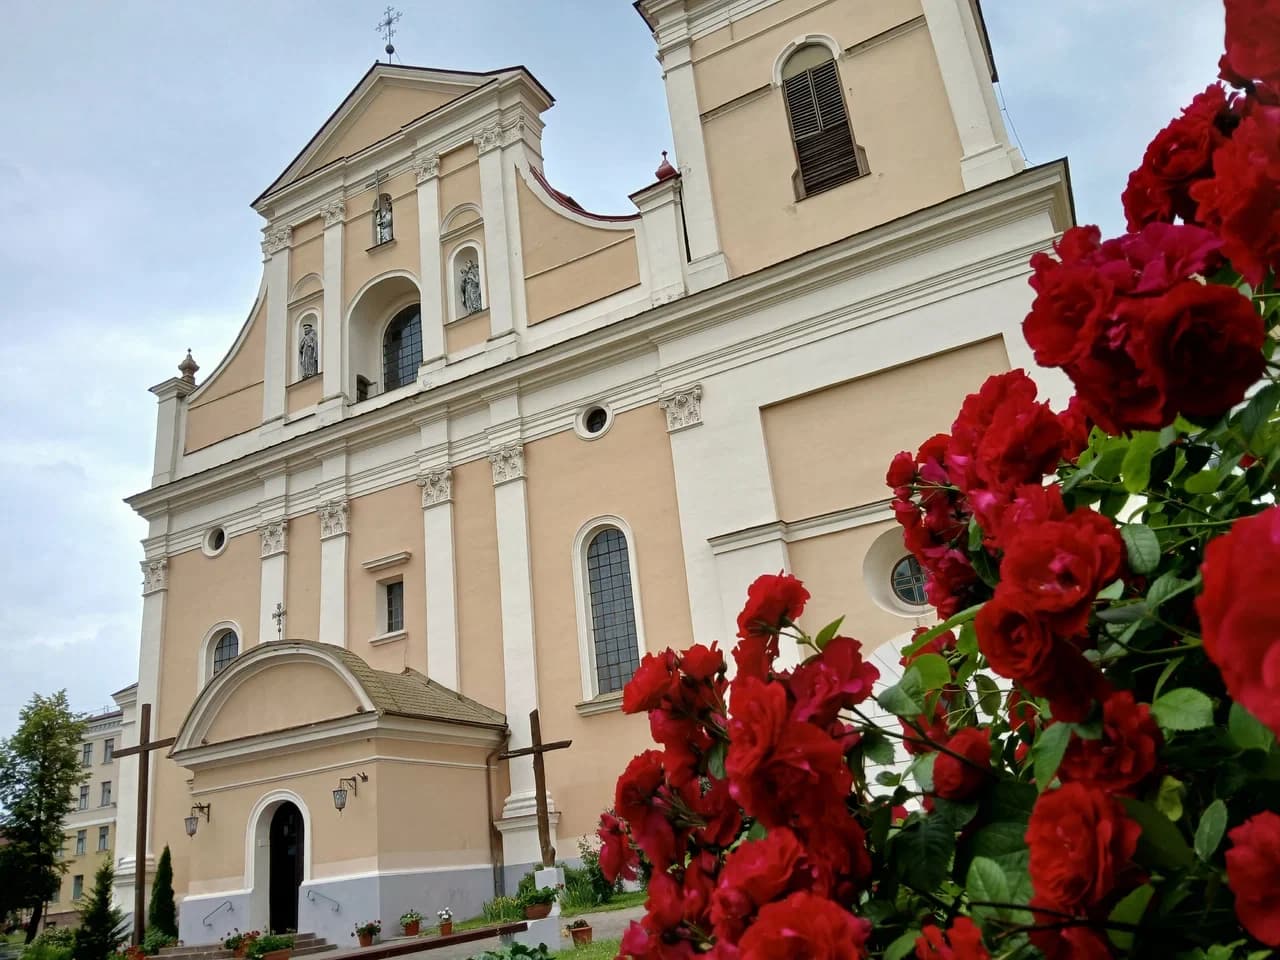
(308, 352)
(382, 230)
(467, 277)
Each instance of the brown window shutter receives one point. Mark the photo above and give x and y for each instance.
(820, 127)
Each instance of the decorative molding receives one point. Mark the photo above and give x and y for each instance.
(683, 408)
(384, 638)
(333, 212)
(424, 168)
(276, 239)
(489, 138)
(275, 537)
(437, 486)
(390, 560)
(155, 575)
(333, 518)
(791, 531)
(513, 133)
(508, 463)
(604, 703)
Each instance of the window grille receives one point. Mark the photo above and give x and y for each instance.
(227, 648)
(402, 348)
(395, 606)
(613, 616)
(908, 582)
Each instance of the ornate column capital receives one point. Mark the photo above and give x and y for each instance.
(333, 518)
(425, 167)
(437, 486)
(333, 212)
(513, 133)
(275, 239)
(489, 138)
(155, 575)
(275, 537)
(507, 463)
(683, 407)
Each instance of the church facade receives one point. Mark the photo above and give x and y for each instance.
(476, 448)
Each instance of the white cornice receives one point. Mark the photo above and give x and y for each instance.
(1035, 192)
(791, 531)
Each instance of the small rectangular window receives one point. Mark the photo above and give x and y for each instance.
(77, 886)
(108, 750)
(104, 836)
(395, 606)
(362, 388)
(84, 796)
(106, 793)
(80, 842)
(87, 757)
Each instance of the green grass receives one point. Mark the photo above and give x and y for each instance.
(620, 901)
(596, 950)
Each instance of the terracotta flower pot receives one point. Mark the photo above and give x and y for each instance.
(366, 939)
(278, 954)
(536, 911)
(446, 927)
(581, 935)
(412, 927)
(240, 950)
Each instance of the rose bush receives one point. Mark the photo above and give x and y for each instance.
(1084, 760)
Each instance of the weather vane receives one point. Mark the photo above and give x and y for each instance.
(387, 26)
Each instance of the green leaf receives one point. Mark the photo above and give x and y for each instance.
(1213, 824)
(1206, 481)
(1112, 591)
(1165, 587)
(1246, 731)
(988, 694)
(1136, 468)
(1183, 709)
(902, 946)
(758, 831)
(1130, 910)
(922, 769)
(975, 535)
(922, 852)
(1160, 844)
(887, 778)
(826, 634)
(906, 697)
(955, 813)
(964, 616)
(1047, 752)
(1258, 410)
(986, 881)
(935, 672)
(1143, 547)
(1168, 798)
(876, 747)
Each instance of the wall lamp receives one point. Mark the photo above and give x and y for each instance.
(193, 821)
(340, 794)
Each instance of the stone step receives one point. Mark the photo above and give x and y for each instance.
(303, 945)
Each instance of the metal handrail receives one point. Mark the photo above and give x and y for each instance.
(313, 894)
(225, 903)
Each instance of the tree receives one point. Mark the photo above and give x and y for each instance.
(39, 772)
(101, 924)
(162, 914)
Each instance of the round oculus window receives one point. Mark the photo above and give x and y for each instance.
(215, 539)
(593, 421)
(907, 580)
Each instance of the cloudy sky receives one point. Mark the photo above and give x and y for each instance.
(133, 136)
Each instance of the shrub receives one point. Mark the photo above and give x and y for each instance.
(162, 913)
(502, 910)
(101, 924)
(55, 943)
(266, 944)
(517, 951)
(538, 895)
(155, 940)
(589, 854)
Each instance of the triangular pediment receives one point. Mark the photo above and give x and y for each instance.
(387, 98)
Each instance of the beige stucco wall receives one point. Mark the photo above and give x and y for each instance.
(467, 332)
(256, 705)
(232, 401)
(304, 393)
(626, 473)
(459, 179)
(361, 261)
(475, 544)
(384, 523)
(898, 109)
(830, 449)
(390, 105)
(306, 255)
(302, 593)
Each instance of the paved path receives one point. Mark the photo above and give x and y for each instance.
(607, 925)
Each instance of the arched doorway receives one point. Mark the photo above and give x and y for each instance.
(286, 859)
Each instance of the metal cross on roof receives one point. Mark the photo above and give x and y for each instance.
(387, 27)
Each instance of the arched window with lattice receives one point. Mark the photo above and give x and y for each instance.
(402, 348)
(609, 621)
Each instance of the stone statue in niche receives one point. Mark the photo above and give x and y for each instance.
(308, 352)
(471, 301)
(382, 219)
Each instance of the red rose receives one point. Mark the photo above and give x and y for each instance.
(963, 941)
(1238, 618)
(1055, 569)
(1031, 505)
(654, 680)
(1081, 844)
(805, 927)
(1253, 871)
(1070, 943)
(701, 662)
(953, 779)
(685, 741)
(835, 679)
(932, 730)
(1241, 202)
(1180, 154)
(754, 874)
(773, 602)
(1072, 303)
(1253, 39)
(780, 770)
(617, 857)
(1123, 756)
(902, 471)
(637, 800)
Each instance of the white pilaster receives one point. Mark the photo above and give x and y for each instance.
(126, 801)
(331, 322)
(273, 529)
(988, 154)
(275, 247)
(663, 234)
(427, 171)
(168, 449)
(513, 147)
(442, 607)
(496, 253)
(333, 571)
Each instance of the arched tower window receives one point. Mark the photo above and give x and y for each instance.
(402, 348)
(825, 150)
(225, 650)
(614, 636)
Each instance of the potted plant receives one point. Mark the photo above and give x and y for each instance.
(365, 932)
(272, 946)
(537, 902)
(445, 916)
(411, 920)
(239, 943)
(580, 930)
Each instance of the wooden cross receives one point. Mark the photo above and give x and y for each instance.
(537, 749)
(278, 617)
(143, 752)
